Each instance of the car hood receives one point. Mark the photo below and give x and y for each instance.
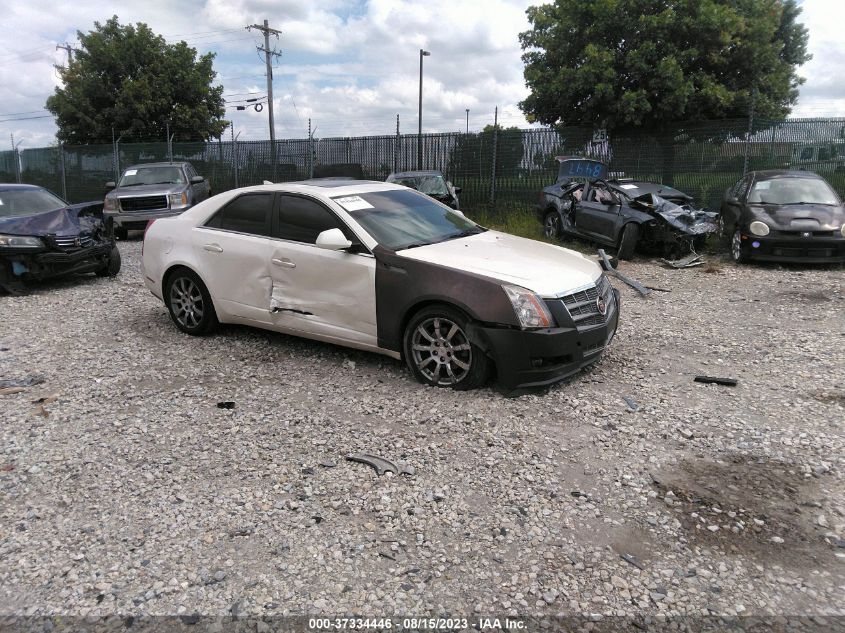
(802, 217)
(72, 220)
(146, 190)
(543, 268)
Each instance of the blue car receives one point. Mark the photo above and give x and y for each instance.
(42, 236)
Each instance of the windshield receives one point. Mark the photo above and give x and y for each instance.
(28, 202)
(164, 175)
(429, 185)
(404, 219)
(792, 191)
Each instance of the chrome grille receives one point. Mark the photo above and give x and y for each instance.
(582, 306)
(74, 241)
(143, 203)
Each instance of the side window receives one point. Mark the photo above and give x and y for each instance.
(249, 213)
(302, 220)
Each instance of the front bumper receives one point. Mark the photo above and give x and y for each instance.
(809, 250)
(44, 264)
(137, 220)
(534, 358)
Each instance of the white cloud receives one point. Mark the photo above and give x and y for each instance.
(823, 94)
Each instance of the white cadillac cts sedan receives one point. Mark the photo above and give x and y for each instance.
(383, 268)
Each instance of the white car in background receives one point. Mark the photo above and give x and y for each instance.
(383, 268)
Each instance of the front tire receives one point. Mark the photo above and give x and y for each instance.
(440, 354)
(738, 254)
(630, 237)
(112, 266)
(189, 303)
(551, 225)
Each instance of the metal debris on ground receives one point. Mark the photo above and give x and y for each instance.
(691, 260)
(632, 405)
(632, 561)
(636, 285)
(728, 382)
(29, 381)
(381, 465)
(228, 404)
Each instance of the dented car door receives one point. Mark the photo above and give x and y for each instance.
(326, 293)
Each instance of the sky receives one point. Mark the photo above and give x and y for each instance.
(351, 66)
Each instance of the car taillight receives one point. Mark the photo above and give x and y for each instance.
(144, 239)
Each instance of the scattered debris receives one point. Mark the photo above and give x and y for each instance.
(632, 561)
(636, 285)
(387, 554)
(40, 410)
(578, 493)
(686, 433)
(45, 399)
(632, 405)
(381, 464)
(228, 404)
(7, 391)
(728, 382)
(29, 381)
(691, 260)
(327, 464)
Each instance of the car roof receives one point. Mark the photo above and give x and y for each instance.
(767, 174)
(419, 172)
(13, 186)
(175, 163)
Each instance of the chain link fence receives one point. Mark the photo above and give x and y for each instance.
(499, 170)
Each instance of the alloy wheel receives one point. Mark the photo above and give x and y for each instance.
(736, 246)
(187, 303)
(552, 225)
(441, 351)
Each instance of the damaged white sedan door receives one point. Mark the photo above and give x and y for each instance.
(328, 293)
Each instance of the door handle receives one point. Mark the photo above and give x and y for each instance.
(284, 262)
(213, 248)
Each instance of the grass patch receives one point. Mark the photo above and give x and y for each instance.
(523, 223)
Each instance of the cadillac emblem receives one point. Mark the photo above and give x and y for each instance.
(601, 304)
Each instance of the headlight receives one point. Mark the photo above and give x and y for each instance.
(759, 228)
(178, 200)
(20, 241)
(530, 309)
(111, 205)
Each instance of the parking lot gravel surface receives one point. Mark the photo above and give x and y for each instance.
(628, 489)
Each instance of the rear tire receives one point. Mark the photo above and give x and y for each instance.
(630, 237)
(551, 225)
(189, 303)
(112, 266)
(439, 353)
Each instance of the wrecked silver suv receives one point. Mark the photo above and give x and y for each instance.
(151, 191)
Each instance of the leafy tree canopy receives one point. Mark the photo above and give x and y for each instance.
(128, 79)
(646, 63)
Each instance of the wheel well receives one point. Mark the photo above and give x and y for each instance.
(166, 276)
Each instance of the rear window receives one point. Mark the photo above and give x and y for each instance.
(249, 213)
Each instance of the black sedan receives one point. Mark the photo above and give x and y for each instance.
(43, 236)
(430, 182)
(626, 214)
(783, 216)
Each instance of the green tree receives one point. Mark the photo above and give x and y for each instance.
(648, 63)
(128, 79)
(473, 153)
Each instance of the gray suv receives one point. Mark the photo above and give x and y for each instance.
(151, 191)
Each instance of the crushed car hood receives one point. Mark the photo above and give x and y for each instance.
(685, 218)
(71, 220)
(803, 217)
(543, 268)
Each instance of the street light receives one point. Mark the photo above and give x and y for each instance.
(419, 129)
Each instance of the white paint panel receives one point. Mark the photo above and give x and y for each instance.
(544, 268)
(328, 293)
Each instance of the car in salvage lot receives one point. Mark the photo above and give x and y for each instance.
(42, 236)
(150, 191)
(383, 268)
(430, 182)
(783, 216)
(626, 214)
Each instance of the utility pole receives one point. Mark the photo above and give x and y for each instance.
(66, 47)
(267, 55)
(467, 120)
(419, 120)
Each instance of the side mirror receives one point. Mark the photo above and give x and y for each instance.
(333, 240)
(195, 180)
(110, 185)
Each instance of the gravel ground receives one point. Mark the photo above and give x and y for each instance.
(127, 490)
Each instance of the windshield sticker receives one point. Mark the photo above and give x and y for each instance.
(353, 203)
(628, 187)
(763, 184)
(130, 172)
